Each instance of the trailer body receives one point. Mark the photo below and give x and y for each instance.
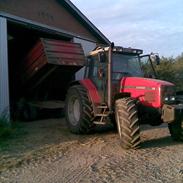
(44, 75)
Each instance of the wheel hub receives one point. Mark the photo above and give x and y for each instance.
(74, 110)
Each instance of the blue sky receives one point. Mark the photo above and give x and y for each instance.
(152, 25)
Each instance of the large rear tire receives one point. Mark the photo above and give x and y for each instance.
(79, 111)
(127, 123)
(176, 130)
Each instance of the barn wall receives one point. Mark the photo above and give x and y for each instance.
(45, 12)
(87, 47)
(4, 85)
(48, 12)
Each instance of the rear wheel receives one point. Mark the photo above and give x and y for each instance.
(127, 123)
(176, 130)
(79, 111)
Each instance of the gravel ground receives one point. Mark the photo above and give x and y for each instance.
(48, 153)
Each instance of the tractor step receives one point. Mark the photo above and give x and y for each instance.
(99, 123)
(102, 115)
(102, 107)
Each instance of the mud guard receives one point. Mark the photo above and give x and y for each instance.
(92, 91)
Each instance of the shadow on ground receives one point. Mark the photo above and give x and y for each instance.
(159, 142)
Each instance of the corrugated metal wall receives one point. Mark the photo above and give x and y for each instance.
(87, 47)
(4, 81)
(48, 12)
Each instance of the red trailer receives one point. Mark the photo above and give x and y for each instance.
(44, 74)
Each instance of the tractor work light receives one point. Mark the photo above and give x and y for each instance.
(170, 98)
(127, 50)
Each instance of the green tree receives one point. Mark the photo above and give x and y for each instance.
(171, 69)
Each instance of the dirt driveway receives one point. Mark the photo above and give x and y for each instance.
(49, 153)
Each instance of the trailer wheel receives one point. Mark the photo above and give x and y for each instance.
(29, 113)
(25, 111)
(79, 111)
(127, 123)
(176, 130)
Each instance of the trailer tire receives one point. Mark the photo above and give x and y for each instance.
(176, 130)
(79, 110)
(25, 111)
(30, 113)
(127, 123)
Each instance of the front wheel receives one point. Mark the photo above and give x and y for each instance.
(78, 110)
(127, 123)
(176, 130)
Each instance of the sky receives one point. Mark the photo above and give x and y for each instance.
(152, 25)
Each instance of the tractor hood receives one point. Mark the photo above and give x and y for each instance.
(149, 91)
(144, 82)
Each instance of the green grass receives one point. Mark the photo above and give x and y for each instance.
(9, 131)
(5, 128)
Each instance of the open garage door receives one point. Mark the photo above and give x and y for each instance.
(21, 38)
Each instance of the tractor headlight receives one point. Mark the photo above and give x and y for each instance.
(170, 98)
(168, 94)
(166, 99)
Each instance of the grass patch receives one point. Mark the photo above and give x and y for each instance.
(5, 128)
(8, 131)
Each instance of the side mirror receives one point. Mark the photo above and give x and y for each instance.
(102, 57)
(155, 58)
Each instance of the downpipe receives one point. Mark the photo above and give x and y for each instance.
(109, 81)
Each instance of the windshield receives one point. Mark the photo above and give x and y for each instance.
(126, 65)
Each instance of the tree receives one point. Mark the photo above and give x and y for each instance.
(171, 69)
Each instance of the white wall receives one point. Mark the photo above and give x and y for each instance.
(87, 47)
(4, 80)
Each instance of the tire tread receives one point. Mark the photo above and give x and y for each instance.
(129, 123)
(85, 124)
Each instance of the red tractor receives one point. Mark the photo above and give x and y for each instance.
(120, 85)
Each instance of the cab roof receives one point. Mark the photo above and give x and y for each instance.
(117, 49)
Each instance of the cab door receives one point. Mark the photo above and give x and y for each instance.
(96, 71)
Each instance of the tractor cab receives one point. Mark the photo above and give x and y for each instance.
(107, 70)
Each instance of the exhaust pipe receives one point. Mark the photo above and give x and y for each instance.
(109, 81)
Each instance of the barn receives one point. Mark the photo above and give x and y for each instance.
(22, 22)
